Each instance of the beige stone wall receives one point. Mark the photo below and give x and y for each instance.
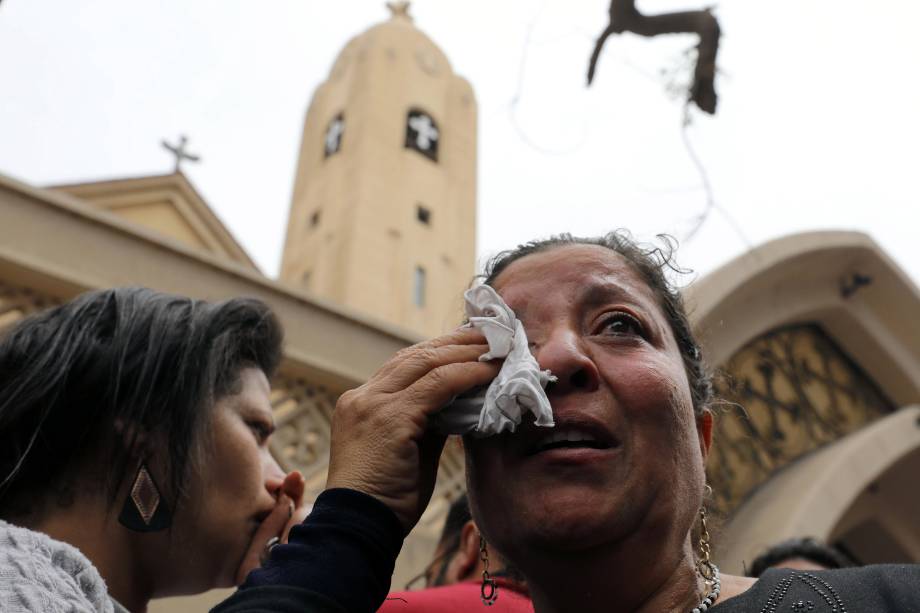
(166, 204)
(367, 243)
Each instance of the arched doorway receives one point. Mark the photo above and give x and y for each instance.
(860, 492)
(817, 335)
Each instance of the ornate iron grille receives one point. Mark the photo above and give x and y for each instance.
(787, 393)
(17, 302)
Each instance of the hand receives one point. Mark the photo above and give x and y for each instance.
(380, 442)
(289, 511)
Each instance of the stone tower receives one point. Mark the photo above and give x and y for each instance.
(383, 213)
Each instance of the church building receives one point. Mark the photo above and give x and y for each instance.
(815, 335)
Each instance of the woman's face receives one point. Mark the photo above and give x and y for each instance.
(233, 490)
(633, 458)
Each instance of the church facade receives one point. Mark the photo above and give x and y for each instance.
(814, 335)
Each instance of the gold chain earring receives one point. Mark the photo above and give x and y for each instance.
(488, 591)
(707, 570)
(704, 564)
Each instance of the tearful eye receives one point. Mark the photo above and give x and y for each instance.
(621, 324)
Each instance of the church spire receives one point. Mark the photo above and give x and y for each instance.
(383, 214)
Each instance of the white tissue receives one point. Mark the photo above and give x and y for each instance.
(519, 387)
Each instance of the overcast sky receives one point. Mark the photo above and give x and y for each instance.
(818, 123)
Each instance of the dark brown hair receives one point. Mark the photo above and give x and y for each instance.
(85, 381)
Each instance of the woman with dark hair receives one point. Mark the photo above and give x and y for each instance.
(598, 511)
(134, 459)
(801, 553)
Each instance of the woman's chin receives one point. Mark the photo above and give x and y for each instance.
(571, 527)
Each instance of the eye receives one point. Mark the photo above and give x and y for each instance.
(261, 429)
(620, 323)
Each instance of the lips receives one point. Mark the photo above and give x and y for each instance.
(571, 435)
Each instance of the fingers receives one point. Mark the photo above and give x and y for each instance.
(273, 525)
(461, 336)
(380, 441)
(294, 486)
(443, 383)
(299, 514)
(422, 360)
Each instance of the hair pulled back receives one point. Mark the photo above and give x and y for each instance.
(88, 382)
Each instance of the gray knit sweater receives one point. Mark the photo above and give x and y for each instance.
(40, 574)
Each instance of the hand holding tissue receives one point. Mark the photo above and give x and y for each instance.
(520, 385)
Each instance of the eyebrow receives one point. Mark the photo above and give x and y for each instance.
(599, 293)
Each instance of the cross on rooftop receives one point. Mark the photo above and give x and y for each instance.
(180, 153)
(399, 9)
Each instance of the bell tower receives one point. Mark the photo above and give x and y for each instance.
(383, 213)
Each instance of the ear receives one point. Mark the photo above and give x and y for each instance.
(136, 440)
(704, 425)
(464, 564)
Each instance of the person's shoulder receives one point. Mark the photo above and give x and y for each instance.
(41, 574)
(460, 597)
(879, 589)
(887, 587)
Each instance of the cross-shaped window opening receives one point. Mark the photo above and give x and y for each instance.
(422, 134)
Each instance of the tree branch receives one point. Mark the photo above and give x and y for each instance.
(624, 17)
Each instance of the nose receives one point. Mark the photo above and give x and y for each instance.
(563, 353)
(274, 476)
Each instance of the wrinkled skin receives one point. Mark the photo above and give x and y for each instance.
(381, 444)
(602, 332)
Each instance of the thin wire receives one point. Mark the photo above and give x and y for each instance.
(711, 204)
(518, 92)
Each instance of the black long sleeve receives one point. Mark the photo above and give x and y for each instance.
(340, 559)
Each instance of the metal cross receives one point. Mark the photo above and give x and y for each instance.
(180, 152)
(399, 9)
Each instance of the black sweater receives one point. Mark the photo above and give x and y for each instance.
(340, 558)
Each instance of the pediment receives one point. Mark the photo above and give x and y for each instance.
(166, 204)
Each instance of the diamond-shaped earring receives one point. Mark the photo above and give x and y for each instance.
(144, 509)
